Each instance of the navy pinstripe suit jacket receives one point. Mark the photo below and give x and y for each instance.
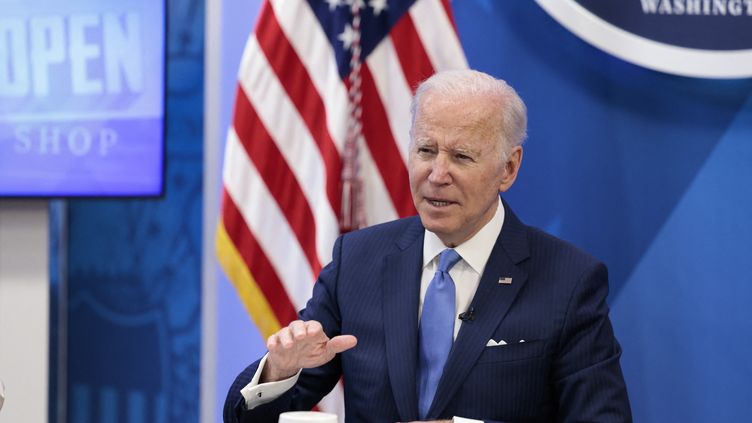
(567, 370)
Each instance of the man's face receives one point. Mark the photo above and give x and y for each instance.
(455, 165)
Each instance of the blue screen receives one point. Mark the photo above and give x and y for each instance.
(81, 97)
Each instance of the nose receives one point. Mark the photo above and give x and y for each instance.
(440, 171)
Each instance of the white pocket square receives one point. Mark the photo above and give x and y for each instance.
(492, 343)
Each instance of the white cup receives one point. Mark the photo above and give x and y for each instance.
(307, 416)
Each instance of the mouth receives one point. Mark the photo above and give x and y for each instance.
(439, 202)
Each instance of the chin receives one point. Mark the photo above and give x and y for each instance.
(437, 227)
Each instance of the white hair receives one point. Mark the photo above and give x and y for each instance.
(468, 82)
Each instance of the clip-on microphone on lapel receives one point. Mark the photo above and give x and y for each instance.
(468, 315)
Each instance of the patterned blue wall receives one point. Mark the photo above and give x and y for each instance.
(134, 269)
(653, 174)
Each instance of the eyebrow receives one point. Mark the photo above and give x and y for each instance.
(457, 147)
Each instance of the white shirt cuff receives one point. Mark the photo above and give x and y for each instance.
(456, 419)
(256, 394)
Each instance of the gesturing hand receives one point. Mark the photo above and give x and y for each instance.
(301, 345)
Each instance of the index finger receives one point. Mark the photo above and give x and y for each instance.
(314, 328)
(298, 329)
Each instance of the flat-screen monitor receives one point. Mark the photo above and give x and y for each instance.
(82, 98)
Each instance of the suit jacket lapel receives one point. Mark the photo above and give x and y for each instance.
(400, 295)
(491, 303)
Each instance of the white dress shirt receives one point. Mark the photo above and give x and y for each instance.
(466, 274)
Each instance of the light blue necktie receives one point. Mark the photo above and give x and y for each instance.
(436, 330)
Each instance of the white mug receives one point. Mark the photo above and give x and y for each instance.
(307, 416)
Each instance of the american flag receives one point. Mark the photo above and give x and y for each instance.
(319, 139)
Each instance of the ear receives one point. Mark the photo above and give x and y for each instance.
(511, 168)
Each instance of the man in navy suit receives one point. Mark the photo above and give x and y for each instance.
(462, 313)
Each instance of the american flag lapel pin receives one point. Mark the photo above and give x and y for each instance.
(505, 281)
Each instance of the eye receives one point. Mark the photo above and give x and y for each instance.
(424, 150)
(463, 157)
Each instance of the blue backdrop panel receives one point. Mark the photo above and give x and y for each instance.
(686, 304)
(652, 173)
(134, 269)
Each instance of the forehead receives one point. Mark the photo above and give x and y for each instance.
(470, 118)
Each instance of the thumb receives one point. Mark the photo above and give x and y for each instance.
(341, 343)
